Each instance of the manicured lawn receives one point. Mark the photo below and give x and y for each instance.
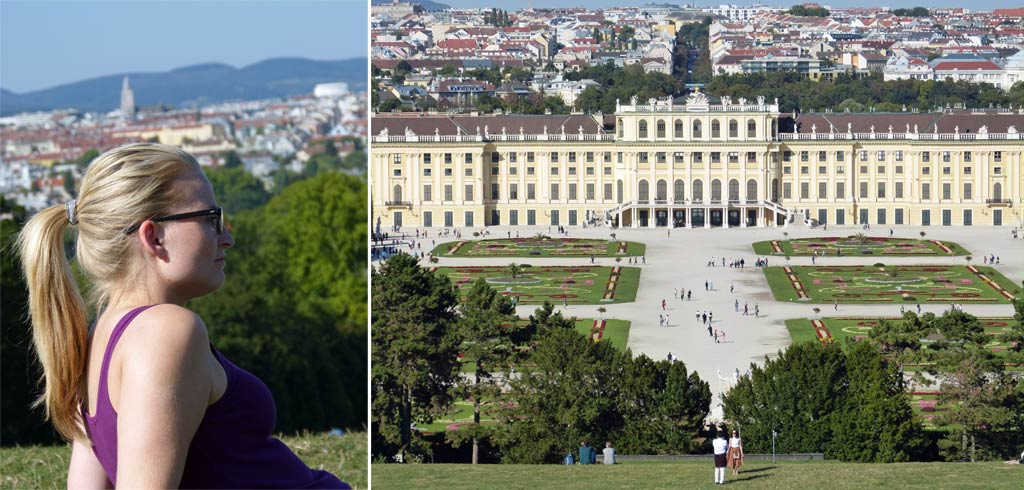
(675, 475)
(842, 328)
(47, 466)
(869, 284)
(851, 245)
(576, 285)
(540, 247)
(616, 332)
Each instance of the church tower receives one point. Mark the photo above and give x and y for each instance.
(127, 99)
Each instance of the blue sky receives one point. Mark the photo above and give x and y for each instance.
(44, 43)
(521, 4)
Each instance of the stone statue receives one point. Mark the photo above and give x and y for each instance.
(983, 130)
(760, 100)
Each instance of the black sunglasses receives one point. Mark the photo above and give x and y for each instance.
(218, 212)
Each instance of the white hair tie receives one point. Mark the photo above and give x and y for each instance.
(72, 212)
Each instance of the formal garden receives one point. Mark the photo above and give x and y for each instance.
(540, 246)
(880, 283)
(858, 245)
(573, 285)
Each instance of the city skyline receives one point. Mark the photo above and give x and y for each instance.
(77, 43)
(522, 4)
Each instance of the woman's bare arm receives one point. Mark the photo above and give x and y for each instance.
(165, 389)
(84, 471)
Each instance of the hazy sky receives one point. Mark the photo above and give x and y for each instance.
(45, 43)
(521, 4)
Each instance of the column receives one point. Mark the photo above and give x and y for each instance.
(689, 217)
(707, 218)
(743, 217)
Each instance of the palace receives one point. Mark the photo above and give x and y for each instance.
(697, 163)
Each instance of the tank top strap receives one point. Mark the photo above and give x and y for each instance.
(103, 396)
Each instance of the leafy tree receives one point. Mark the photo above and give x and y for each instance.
(231, 159)
(664, 407)
(797, 394)
(957, 326)
(901, 335)
(415, 352)
(914, 12)
(803, 11)
(403, 68)
(877, 423)
(492, 341)
(87, 157)
(236, 189)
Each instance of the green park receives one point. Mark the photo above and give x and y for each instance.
(554, 284)
(879, 283)
(540, 246)
(858, 245)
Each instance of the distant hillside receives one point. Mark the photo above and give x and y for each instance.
(427, 4)
(192, 85)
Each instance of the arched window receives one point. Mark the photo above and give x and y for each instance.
(618, 189)
(618, 127)
(734, 129)
(775, 132)
(661, 128)
(775, 190)
(716, 129)
(734, 190)
(644, 193)
(997, 191)
(697, 126)
(678, 191)
(698, 190)
(679, 128)
(751, 128)
(643, 129)
(751, 190)
(397, 194)
(662, 190)
(716, 190)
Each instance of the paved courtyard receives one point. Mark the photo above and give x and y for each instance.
(679, 260)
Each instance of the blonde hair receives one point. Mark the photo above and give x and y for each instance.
(122, 187)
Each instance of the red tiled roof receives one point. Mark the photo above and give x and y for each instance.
(966, 65)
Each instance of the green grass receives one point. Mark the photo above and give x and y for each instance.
(926, 284)
(848, 246)
(577, 285)
(534, 247)
(800, 329)
(675, 475)
(47, 466)
(616, 332)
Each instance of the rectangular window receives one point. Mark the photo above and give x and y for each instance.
(572, 170)
(967, 191)
(946, 171)
(618, 157)
(397, 159)
(398, 172)
(926, 156)
(968, 217)
(513, 157)
(899, 155)
(607, 157)
(997, 156)
(899, 169)
(840, 190)
(642, 157)
(554, 217)
(607, 170)
(590, 192)
(881, 190)
(590, 170)
(494, 170)
(804, 170)
(899, 190)
(529, 170)
(863, 190)
(822, 156)
(881, 216)
(805, 190)
(863, 169)
(469, 171)
(572, 157)
(967, 156)
(787, 156)
(660, 157)
(607, 192)
(734, 157)
(448, 192)
(426, 193)
(881, 169)
(751, 157)
(926, 191)
(678, 157)
(494, 192)
(822, 169)
(529, 157)
(697, 157)
(926, 217)
(805, 156)
(997, 170)
(881, 155)
(898, 218)
(513, 217)
(554, 157)
(863, 155)
(822, 190)
(786, 170)
(572, 192)
(716, 157)
(967, 170)
(573, 219)
(428, 219)
(554, 192)
(946, 188)
(514, 170)
(447, 172)
(945, 156)
(787, 190)
(468, 196)
(426, 158)
(926, 170)
(590, 157)
(554, 170)
(426, 172)
(531, 191)
(447, 158)
(513, 192)
(840, 156)
(531, 217)
(469, 218)
(840, 169)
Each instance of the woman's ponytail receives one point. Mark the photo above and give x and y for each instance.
(59, 328)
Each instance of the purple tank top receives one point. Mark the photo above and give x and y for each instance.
(233, 446)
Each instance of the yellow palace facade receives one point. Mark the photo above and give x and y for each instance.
(697, 163)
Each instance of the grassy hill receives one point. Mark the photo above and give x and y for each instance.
(695, 475)
(47, 466)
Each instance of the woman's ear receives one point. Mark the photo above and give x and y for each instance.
(151, 237)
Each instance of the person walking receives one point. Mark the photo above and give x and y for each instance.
(705, 317)
(663, 305)
(720, 447)
(737, 305)
(757, 311)
(689, 294)
(735, 458)
(705, 285)
(835, 304)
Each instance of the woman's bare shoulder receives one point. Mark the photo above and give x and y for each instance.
(167, 328)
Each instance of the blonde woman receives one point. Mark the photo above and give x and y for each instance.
(146, 399)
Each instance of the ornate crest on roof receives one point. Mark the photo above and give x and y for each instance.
(1012, 130)
(696, 98)
(983, 130)
(384, 132)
